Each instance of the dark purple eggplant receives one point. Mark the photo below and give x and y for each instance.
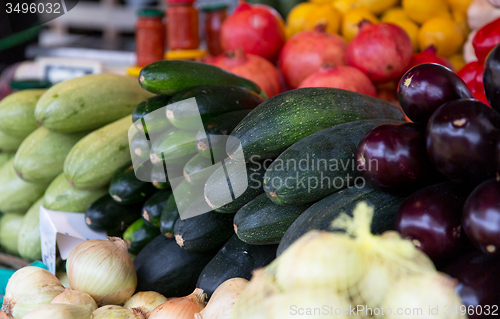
(425, 87)
(491, 78)
(393, 157)
(432, 219)
(481, 218)
(461, 140)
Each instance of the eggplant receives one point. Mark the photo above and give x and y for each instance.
(461, 140)
(491, 78)
(432, 219)
(393, 157)
(425, 87)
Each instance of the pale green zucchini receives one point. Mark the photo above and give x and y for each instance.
(10, 225)
(5, 157)
(9, 143)
(28, 238)
(17, 117)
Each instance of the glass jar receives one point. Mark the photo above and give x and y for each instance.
(182, 25)
(214, 16)
(149, 37)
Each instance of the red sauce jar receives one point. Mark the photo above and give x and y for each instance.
(214, 16)
(149, 37)
(182, 25)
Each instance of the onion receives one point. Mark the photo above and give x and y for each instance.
(145, 302)
(116, 312)
(181, 308)
(60, 311)
(75, 297)
(222, 301)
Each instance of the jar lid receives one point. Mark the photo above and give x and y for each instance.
(150, 13)
(214, 7)
(181, 1)
(30, 84)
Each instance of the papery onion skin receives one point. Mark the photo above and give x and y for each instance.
(145, 301)
(60, 311)
(181, 308)
(220, 305)
(75, 297)
(116, 312)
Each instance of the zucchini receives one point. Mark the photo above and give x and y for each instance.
(169, 215)
(288, 117)
(9, 143)
(164, 267)
(104, 214)
(17, 112)
(17, 195)
(211, 100)
(63, 196)
(41, 156)
(204, 232)
(235, 259)
(5, 157)
(174, 147)
(126, 189)
(10, 224)
(88, 102)
(157, 121)
(171, 76)
(153, 207)
(262, 222)
(159, 178)
(28, 239)
(139, 146)
(318, 165)
(198, 169)
(138, 235)
(96, 158)
(320, 215)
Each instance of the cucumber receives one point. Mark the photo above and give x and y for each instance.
(138, 235)
(9, 143)
(157, 121)
(288, 117)
(235, 259)
(171, 76)
(126, 189)
(96, 158)
(41, 156)
(174, 147)
(320, 215)
(169, 215)
(153, 207)
(10, 224)
(28, 239)
(198, 169)
(17, 195)
(63, 196)
(212, 100)
(104, 214)
(262, 222)
(318, 165)
(5, 157)
(164, 267)
(88, 102)
(17, 112)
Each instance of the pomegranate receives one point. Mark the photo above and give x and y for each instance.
(382, 51)
(429, 56)
(249, 66)
(341, 77)
(258, 29)
(305, 52)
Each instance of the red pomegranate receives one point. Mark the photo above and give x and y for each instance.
(429, 56)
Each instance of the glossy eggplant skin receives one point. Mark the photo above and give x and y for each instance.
(432, 219)
(481, 218)
(425, 87)
(491, 78)
(461, 140)
(393, 157)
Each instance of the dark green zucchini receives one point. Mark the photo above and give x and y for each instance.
(139, 146)
(171, 76)
(262, 222)
(198, 169)
(286, 118)
(164, 267)
(105, 214)
(204, 232)
(138, 235)
(318, 165)
(320, 215)
(212, 100)
(155, 122)
(174, 147)
(160, 178)
(153, 207)
(235, 259)
(126, 189)
(169, 216)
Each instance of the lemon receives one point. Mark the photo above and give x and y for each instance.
(394, 14)
(443, 33)
(351, 20)
(459, 5)
(296, 18)
(457, 60)
(343, 6)
(423, 10)
(411, 28)
(461, 19)
(323, 14)
(377, 6)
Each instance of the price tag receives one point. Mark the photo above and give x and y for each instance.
(56, 69)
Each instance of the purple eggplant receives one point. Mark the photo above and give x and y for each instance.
(491, 78)
(393, 157)
(461, 140)
(425, 87)
(432, 219)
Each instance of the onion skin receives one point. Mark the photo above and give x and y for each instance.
(145, 302)
(180, 308)
(75, 297)
(113, 311)
(220, 305)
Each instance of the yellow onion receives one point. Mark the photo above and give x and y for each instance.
(28, 288)
(60, 311)
(103, 269)
(145, 302)
(181, 308)
(75, 297)
(220, 305)
(3, 315)
(116, 312)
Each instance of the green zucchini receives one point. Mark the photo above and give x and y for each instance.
(153, 207)
(63, 196)
(5, 157)
(317, 165)
(139, 146)
(17, 195)
(9, 143)
(320, 215)
(262, 222)
(288, 117)
(171, 76)
(10, 224)
(104, 214)
(28, 240)
(138, 235)
(96, 158)
(126, 189)
(159, 178)
(17, 112)
(198, 169)
(41, 156)
(211, 100)
(155, 122)
(174, 147)
(88, 102)
(169, 215)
